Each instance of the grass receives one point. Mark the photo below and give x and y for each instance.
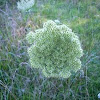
(18, 81)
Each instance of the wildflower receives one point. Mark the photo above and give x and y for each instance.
(99, 96)
(55, 49)
(24, 5)
(57, 21)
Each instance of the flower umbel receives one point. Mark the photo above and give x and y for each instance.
(55, 49)
(24, 5)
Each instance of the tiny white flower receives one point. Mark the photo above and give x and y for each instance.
(81, 74)
(99, 95)
(57, 21)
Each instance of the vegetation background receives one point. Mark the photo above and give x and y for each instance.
(18, 80)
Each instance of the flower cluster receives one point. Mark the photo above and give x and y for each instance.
(55, 49)
(24, 5)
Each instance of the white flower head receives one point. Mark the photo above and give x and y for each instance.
(57, 50)
(24, 5)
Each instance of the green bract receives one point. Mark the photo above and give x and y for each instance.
(55, 49)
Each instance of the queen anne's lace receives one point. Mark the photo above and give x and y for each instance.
(24, 5)
(55, 49)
